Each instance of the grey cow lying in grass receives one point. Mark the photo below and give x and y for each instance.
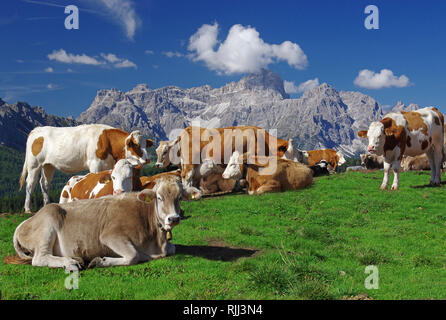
(109, 231)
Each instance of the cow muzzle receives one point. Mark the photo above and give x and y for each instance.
(117, 192)
(371, 149)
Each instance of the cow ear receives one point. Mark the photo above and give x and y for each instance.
(105, 179)
(362, 134)
(191, 193)
(149, 143)
(146, 195)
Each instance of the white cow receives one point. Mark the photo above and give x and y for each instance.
(93, 147)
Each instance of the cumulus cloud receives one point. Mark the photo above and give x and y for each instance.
(290, 87)
(149, 52)
(123, 12)
(384, 79)
(64, 57)
(242, 51)
(108, 59)
(49, 70)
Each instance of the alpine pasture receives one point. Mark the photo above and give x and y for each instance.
(313, 243)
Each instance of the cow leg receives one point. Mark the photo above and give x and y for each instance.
(31, 180)
(386, 176)
(45, 182)
(435, 157)
(122, 247)
(272, 186)
(396, 167)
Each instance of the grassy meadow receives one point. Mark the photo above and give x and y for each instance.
(307, 244)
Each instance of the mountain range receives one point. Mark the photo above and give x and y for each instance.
(322, 117)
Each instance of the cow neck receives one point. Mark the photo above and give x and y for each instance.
(155, 223)
(116, 140)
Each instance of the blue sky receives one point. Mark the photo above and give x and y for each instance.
(120, 44)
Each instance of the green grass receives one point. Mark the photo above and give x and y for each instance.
(307, 244)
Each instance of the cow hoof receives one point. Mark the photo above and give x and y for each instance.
(96, 262)
(383, 187)
(394, 188)
(73, 267)
(80, 262)
(28, 211)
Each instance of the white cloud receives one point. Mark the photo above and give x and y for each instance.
(70, 70)
(149, 52)
(125, 64)
(62, 56)
(384, 79)
(123, 12)
(49, 70)
(109, 59)
(242, 51)
(290, 87)
(171, 54)
(50, 86)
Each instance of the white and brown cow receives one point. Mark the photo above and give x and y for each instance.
(109, 231)
(407, 133)
(263, 177)
(335, 158)
(372, 161)
(93, 147)
(223, 141)
(123, 178)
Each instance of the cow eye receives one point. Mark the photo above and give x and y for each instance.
(113, 178)
(160, 199)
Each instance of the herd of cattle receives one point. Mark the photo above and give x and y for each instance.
(125, 218)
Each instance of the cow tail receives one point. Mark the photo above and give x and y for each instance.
(24, 173)
(20, 257)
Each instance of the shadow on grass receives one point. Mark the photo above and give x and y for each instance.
(218, 253)
(427, 186)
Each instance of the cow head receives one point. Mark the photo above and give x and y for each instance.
(341, 160)
(163, 153)
(135, 148)
(209, 167)
(363, 158)
(295, 154)
(167, 195)
(377, 137)
(122, 177)
(234, 168)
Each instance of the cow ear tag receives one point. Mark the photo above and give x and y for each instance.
(168, 235)
(107, 181)
(147, 199)
(192, 196)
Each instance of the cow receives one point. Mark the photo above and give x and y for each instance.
(191, 155)
(420, 162)
(372, 161)
(407, 133)
(110, 231)
(335, 158)
(123, 178)
(262, 177)
(93, 147)
(320, 169)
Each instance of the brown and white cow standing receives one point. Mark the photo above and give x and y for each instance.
(240, 138)
(407, 133)
(109, 231)
(93, 147)
(263, 177)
